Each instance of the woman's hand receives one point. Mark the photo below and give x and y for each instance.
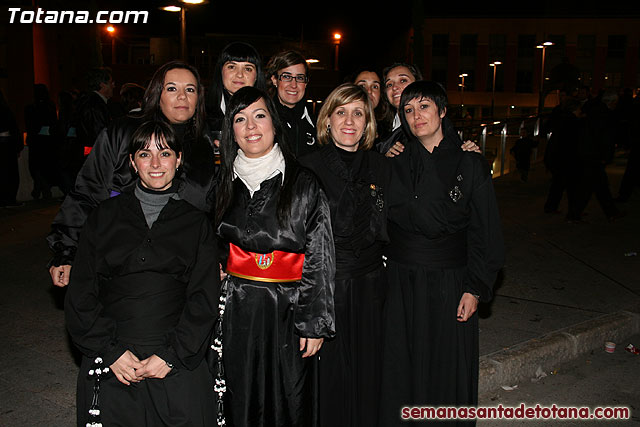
(60, 275)
(468, 305)
(395, 150)
(154, 367)
(223, 275)
(312, 344)
(127, 368)
(470, 146)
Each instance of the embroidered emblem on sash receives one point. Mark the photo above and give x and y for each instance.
(264, 261)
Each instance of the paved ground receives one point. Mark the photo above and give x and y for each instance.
(564, 291)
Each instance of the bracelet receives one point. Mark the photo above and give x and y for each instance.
(476, 296)
(170, 365)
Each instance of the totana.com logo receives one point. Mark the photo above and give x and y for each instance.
(41, 16)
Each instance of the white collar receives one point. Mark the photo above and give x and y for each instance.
(253, 172)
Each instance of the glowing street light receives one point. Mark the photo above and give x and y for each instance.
(183, 22)
(112, 32)
(543, 46)
(336, 40)
(462, 76)
(494, 64)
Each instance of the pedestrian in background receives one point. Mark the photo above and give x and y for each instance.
(10, 147)
(40, 120)
(521, 151)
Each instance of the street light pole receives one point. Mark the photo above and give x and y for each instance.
(541, 97)
(462, 76)
(111, 30)
(336, 40)
(183, 33)
(494, 64)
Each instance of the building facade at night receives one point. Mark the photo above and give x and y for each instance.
(601, 52)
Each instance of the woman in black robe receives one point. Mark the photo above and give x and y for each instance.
(275, 221)
(142, 298)
(175, 96)
(445, 251)
(354, 179)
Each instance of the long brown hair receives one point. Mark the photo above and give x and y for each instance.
(151, 104)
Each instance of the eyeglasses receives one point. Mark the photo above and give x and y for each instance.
(300, 78)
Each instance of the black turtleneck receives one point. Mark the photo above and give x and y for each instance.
(153, 201)
(347, 157)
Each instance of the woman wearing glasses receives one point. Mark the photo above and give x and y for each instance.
(289, 74)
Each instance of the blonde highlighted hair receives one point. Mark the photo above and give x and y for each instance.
(346, 94)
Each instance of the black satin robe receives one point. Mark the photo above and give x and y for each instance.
(350, 364)
(268, 382)
(150, 291)
(445, 240)
(107, 171)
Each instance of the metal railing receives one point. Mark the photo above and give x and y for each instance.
(496, 138)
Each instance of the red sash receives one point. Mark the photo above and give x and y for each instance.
(277, 266)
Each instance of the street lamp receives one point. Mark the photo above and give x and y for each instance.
(462, 76)
(336, 40)
(112, 32)
(183, 23)
(542, 46)
(494, 64)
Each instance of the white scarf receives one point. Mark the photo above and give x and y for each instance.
(254, 172)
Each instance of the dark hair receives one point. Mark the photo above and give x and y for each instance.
(131, 96)
(282, 60)
(161, 131)
(41, 93)
(243, 98)
(383, 110)
(151, 105)
(422, 89)
(237, 52)
(426, 89)
(414, 70)
(96, 76)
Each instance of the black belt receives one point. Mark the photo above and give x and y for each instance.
(449, 251)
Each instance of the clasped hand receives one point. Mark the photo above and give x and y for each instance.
(129, 369)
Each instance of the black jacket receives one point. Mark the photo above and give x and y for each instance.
(300, 127)
(132, 285)
(92, 116)
(251, 223)
(107, 172)
(356, 194)
(436, 196)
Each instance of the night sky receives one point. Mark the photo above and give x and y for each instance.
(319, 19)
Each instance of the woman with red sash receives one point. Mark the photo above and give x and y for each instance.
(280, 269)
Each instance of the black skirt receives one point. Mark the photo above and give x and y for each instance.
(268, 381)
(430, 359)
(182, 398)
(350, 364)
